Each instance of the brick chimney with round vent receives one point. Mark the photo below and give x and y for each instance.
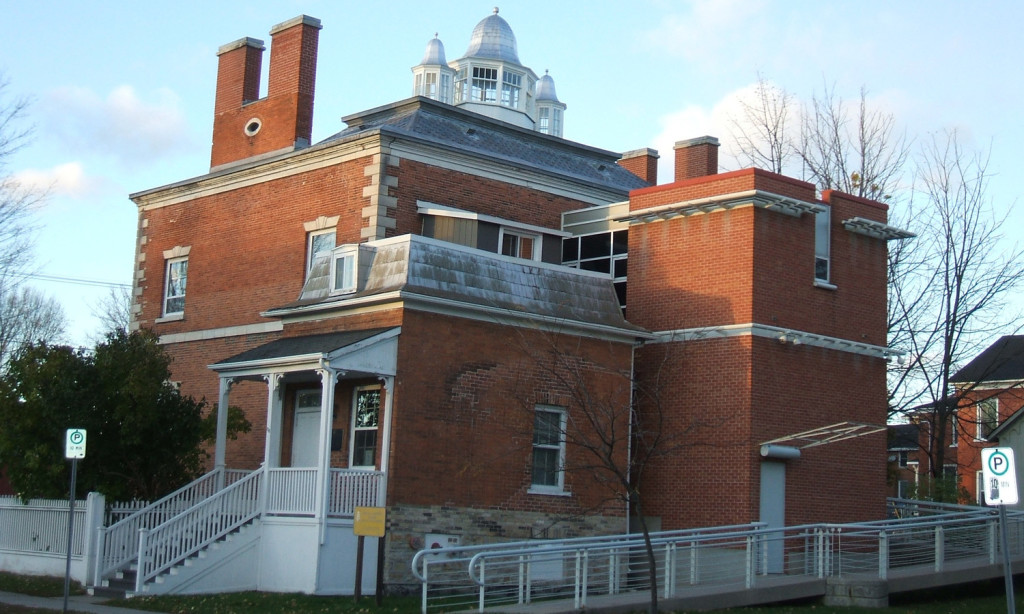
(246, 126)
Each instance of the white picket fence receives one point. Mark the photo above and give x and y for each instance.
(34, 535)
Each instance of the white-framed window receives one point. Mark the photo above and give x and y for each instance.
(511, 85)
(318, 242)
(954, 432)
(175, 279)
(485, 84)
(988, 417)
(365, 420)
(902, 458)
(544, 120)
(519, 244)
(548, 467)
(822, 247)
(446, 88)
(344, 267)
(461, 86)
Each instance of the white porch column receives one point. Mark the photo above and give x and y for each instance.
(272, 447)
(328, 378)
(385, 443)
(222, 430)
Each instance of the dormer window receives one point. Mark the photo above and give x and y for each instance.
(520, 244)
(343, 269)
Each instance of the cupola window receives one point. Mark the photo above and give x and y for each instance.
(512, 84)
(485, 84)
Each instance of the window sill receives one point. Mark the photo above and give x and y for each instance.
(824, 285)
(174, 317)
(541, 490)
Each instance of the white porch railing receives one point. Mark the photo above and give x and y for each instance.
(119, 543)
(352, 488)
(291, 491)
(173, 541)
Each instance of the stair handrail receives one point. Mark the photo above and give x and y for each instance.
(189, 532)
(118, 544)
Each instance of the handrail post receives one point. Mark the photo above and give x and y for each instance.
(141, 569)
(521, 583)
(586, 577)
(423, 591)
(883, 555)
(101, 559)
(992, 541)
(483, 582)
(750, 561)
(940, 548)
(576, 588)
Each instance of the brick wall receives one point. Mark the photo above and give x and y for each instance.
(248, 246)
(465, 418)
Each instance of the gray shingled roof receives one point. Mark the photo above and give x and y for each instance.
(461, 130)
(419, 266)
(1002, 361)
(302, 346)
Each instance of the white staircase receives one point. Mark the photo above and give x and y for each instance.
(182, 541)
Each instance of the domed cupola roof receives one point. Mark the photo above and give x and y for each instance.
(434, 53)
(493, 39)
(546, 88)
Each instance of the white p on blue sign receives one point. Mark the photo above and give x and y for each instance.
(999, 477)
(74, 446)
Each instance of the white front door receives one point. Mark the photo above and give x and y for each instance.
(306, 431)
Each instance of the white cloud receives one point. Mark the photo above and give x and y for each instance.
(123, 126)
(711, 31)
(64, 180)
(694, 121)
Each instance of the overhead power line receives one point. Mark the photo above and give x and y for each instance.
(77, 281)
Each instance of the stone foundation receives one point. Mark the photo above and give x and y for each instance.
(859, 592)
(409, 526)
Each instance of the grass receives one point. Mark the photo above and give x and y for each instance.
(267, 603)
(976, 598)
(38, 586)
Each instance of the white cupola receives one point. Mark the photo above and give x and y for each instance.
(489, 80)
(432, 77)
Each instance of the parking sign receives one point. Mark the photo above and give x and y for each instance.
(74, 447)
(999, 476)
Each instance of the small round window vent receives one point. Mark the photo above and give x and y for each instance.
(253, 126)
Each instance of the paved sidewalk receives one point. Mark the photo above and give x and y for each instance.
(76, 603)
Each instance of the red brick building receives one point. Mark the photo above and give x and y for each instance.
(991, 394)
(408, 312)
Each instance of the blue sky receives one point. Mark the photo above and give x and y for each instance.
(123, 92)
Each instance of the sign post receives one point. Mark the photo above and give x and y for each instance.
(369, 522)
(74, 449)
(999, 478)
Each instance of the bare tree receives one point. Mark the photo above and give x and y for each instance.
(859, 152)
(28, 316)
(617, 424)
(953, 297)
(762, 133)
(114, 311)
(25, 314)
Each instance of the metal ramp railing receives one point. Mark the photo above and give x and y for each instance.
(928, 540)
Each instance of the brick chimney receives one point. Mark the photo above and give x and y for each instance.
(696, 157)
(246, 126)
(643, 163)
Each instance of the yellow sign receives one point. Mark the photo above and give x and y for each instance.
(369, 521)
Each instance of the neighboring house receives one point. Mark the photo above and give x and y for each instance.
(990, 390)
(395, 309)
(904, 460)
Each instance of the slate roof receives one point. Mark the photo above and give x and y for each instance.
(301, 346)
(464, 131)
(424, 267)
(1002, 361)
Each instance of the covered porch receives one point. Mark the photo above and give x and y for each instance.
(329, 403)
